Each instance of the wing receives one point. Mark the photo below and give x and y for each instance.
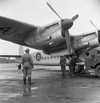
(14, 31)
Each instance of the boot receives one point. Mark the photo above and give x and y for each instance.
(29, 80)
(24, 80)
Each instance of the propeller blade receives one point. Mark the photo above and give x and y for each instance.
(53, 10)
(93, 24)
(95, 27)
(68, 42)
(75, 17)
(97, 31)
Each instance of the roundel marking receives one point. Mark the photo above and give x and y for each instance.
(38, 56)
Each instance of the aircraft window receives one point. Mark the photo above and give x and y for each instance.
(48, 57)
(42, 57)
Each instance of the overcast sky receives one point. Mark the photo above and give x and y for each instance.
(37, 12)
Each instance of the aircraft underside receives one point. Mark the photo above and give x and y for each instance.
(53, 49)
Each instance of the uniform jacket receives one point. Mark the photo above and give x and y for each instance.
(63, 61)
(27, 61)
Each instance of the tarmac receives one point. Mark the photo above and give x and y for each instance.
(48, 86)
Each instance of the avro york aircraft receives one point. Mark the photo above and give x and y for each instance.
(53, 39)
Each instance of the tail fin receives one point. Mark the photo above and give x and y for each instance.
(21, 50)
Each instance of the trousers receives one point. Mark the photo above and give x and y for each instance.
(27, 72)
(72, 69)
(63, 70)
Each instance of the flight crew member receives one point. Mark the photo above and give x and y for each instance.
(72, 65)
(27, 63)
(63, 65)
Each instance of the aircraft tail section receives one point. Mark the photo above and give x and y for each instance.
(21, 50)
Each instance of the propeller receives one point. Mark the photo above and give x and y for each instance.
(97, 31)
(66, 24)
(95, 27)
(53, 10)
(75, 17)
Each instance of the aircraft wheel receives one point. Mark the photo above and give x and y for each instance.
(97, 71)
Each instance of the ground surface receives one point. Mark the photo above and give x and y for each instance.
(49, 86)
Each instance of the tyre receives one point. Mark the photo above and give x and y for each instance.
(97, 71)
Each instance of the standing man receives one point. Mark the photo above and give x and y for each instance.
(27, 63)
(72, 64)
(63, 65)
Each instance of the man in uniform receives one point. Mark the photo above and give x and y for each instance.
(63, 65)
(72, 65)
(27, 63)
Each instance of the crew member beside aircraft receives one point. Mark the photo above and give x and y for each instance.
(27, 63)
(63, 65)
(72, 65)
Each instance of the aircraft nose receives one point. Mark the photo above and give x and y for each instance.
(67, 23)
